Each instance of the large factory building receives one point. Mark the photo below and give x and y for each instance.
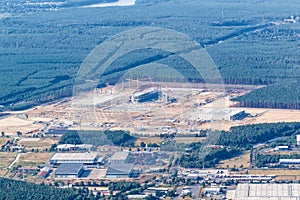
(152, 94)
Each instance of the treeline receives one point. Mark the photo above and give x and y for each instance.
(249, 135)
(11, 189)
(263, 160)
(281, 96)
(98, 138)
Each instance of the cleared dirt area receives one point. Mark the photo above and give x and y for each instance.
(236, 162)
(260, 115)
(273, 115)
(12, 124)
(33, 159)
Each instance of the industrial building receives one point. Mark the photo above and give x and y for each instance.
(74, 147)
(152, 94)
(120, 157)
(289, 161)
(221, 114)
(83, 158)
(119, 171)
(281, 148)
(69, 170)
(267, 192)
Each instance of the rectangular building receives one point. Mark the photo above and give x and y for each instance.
(69, 170)
(152, 94)
(120, 157)
(222, 114)
(83, 158)
(267, 192)
(119, 171)
(289, 161)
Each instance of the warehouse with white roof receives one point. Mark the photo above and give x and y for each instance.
(84, 158)
(267, 192)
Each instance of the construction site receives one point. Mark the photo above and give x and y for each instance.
(145, 108)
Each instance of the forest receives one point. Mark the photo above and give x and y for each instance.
(280, 95)
(41, 58)
(250, 135)
(11, 189)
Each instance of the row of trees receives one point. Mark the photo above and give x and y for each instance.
(97, 138)
(263, 160)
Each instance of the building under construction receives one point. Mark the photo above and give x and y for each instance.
(152, 94)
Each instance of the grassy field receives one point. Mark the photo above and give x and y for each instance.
(33, 159)
(6, 158)
(42, 144)
(236, 161)
(4, 140)
(148, 140)
(188, 140)
(2, 172)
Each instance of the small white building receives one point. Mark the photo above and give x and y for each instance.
(282, 148)
(298, 140)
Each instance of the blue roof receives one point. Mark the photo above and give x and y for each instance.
(69, 169)
(119, 169)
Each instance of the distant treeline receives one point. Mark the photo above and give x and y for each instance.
(280, 96)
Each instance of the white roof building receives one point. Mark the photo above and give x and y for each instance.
(267, 192)
(85, 158)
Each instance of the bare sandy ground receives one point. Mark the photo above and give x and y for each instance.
(12, 124)
(262, 115)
